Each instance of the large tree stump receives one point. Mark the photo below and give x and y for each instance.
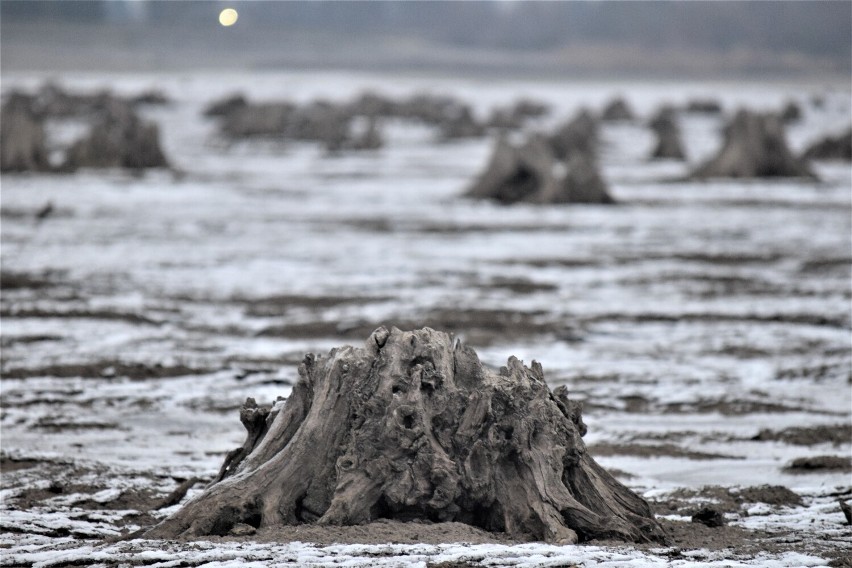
(408, 427)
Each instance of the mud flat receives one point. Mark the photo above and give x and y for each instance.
(704, 326)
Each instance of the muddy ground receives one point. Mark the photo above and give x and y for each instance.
(63, 505)
(706, 326)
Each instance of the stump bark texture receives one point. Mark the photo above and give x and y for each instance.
(412, 426)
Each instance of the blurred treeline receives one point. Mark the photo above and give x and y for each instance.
(740, 35)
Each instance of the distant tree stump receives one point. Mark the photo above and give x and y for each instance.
(665, 126)
(532, 173)
(831, 148)
(22, 140)
(617, 109)
(119, 139)
(412, 427)
(755, 147)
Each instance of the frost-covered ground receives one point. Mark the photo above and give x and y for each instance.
(705, 325)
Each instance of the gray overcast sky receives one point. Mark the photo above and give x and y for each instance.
(770, 37)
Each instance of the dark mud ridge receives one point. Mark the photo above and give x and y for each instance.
(412, 427)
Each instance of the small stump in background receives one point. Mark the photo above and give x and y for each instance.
(669, 145)
(755, 147)
(831, 148)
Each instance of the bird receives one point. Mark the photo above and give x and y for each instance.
(44, 212)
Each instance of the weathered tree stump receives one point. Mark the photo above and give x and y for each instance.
(408, 427)
(319, 121)
(373, 105)
(531, 173)
(755, 146)
(831, 148)
(460, 124)
(514, 174)
(262, 120)
(118, 137)
(579, 135)
(55, 102)
(22, 140)
(703, 106)
(669, 145)
(369, 137)
(617, 109)
(119, 140)
(151, 97)
(226, 106)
